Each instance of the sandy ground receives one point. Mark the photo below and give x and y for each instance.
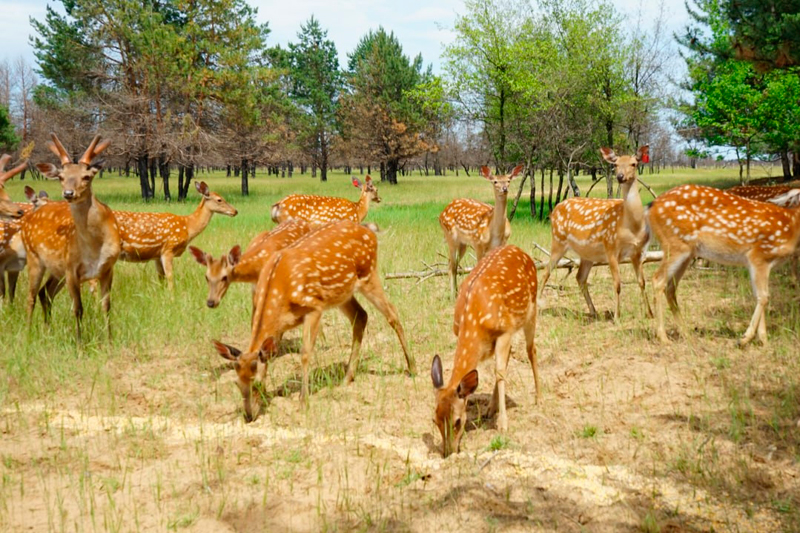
(630, 435)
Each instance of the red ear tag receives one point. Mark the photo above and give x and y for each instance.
(645, 158)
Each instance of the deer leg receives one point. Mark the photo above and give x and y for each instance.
(35, 276)
(105, 299)
(373, 291)
(502, 351)
(613, 266)
(12, 285)
(357, 317)
(455, 251)
(582, 277)
(74, 287)
(557, 251)
(759, 277)
(310, 329)
(530, 346)
(3, 284)
(638, 267)
(47, 293)
(672, 287)
(166, 262)
(670, 268)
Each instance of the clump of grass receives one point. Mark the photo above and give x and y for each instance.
(588, 432)
(499, 442)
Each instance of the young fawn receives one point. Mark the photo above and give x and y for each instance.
(695, 221)
(245, 267)
(321, 271)
(603, 230)
(466, 222)
(496, 300)
(160, 237)
(74, 241)
(319, 210)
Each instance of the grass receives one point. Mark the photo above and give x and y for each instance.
(145, 432)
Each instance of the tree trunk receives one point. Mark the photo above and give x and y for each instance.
(180, 182)
(541, 206)
(163, 169)
(323, 167)
(516, 199)
(144, 182)
(787, 168)
(153, 172)
(245, 183)
(796, 165)
(550, 195)
(392, 166)
(560, 184)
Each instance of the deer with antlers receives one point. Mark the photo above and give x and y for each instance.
(73, 241)
(695, 221)
(496, 300)
(466, 222)
(317, 210)
(238, 267)
(321, 271)
(603, 230)
(160, 237)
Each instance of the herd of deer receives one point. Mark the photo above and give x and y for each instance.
(320, 254)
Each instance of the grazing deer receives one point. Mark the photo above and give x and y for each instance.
(322, 270)
(160, 237)
(8, 208)
(245, 268)
(73, 241)
(467, 222)
(496, 300)
(12, 251)
(603, 230)
(318, 210)
(695, 221)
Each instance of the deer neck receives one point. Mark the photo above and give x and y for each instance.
(362, 206)
(247, 270)
(497, 226)
(633, 210)
(198, 220)
(90, 218)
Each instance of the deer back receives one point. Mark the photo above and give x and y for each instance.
(316, 210)
(146, 235)
(760, 193)
(724, 227)
(467, 220)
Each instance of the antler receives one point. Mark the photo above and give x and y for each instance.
(6, 175)
(57, 148)
(94, 150)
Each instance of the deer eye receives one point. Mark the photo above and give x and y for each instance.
(224, 279)
(219, 200)
(634, 164)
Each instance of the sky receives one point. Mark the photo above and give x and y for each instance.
(421, 26)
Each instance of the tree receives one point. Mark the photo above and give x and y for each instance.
(765, 32)
(315, 85)
(8, 138)
(380, 118)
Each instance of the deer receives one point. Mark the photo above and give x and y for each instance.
(758, 192)
(317, 210)
(73, 241)
(496, 300)
(604, 230)
(695, 221)
(322, 270)
(160, 237)
(8, 208)
(466, 222)
(238, 267)
(12, 251)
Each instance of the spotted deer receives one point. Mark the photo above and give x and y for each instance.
(160, 237)
(321, 271)
(601, 230)
(12, 251)
(73, 241)
(695, 221)
(8, 208)
(466, 222)
(496, 300)
(238, 267)
(317, 210)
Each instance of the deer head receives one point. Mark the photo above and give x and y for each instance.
(626, 166)
(246, 366)
(214, 201)
(451, 406)
(75, 177)
(6, 175)
(501, 182)
(37, 200)
(219, 272)
(368, 187)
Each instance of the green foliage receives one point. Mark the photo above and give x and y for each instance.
(765, 32)
(8, 138)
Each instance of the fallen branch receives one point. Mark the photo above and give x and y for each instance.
(649, 257)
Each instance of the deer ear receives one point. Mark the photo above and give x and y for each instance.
(48, 169)
(201, 187)
(468, 384)
(608, 155)
(267, 350)
(227, 352)
(436, 373)
(642, 153)
(368, 179)
(43, 194)
(356, 182)
(517, 170)
(30, 194)
(486, 172)
(199, 255)
(235, 255)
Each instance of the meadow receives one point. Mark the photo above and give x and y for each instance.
(145, 433)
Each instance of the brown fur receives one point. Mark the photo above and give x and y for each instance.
(318, 210)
